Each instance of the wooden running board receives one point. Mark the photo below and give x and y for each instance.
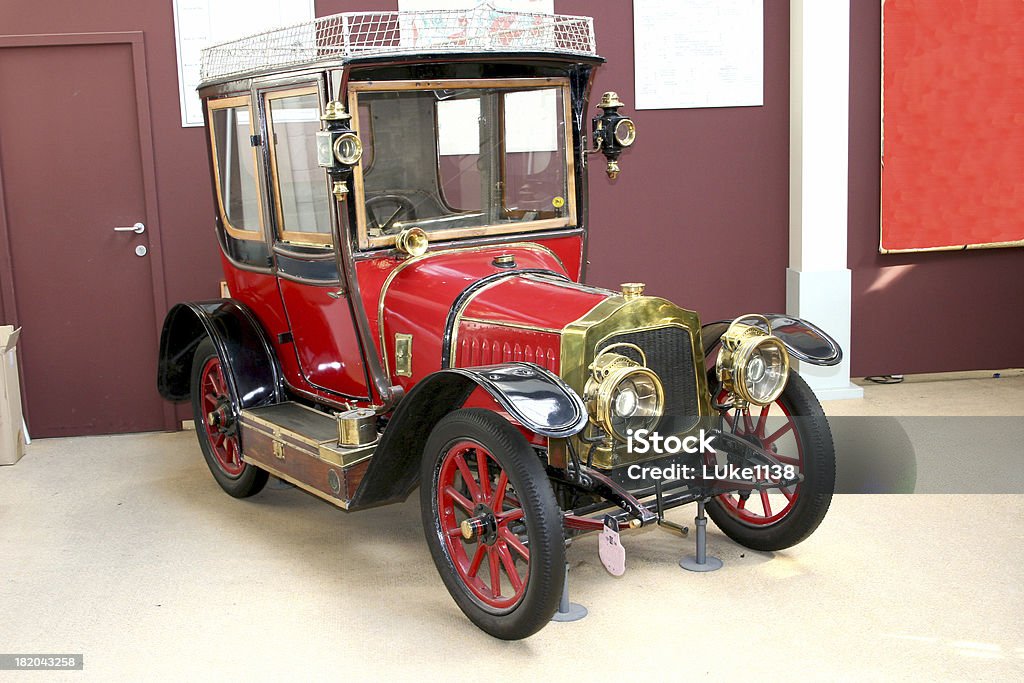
(300, 446)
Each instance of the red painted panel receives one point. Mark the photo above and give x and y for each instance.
(83, 296)
(551, 304)
(324, 338)
(953, 123)
(521, 303)
(480, 344)
(259, 292)
(570, 252)
(421, 295)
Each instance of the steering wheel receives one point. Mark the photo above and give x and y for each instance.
(390, 207)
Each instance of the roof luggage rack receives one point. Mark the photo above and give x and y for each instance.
(367, 34)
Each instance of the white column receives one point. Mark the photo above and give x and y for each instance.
(817, 280)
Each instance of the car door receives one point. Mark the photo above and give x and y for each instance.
(319, 314)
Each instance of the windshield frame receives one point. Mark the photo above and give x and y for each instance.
(366, 241)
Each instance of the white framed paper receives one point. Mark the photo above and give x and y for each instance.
(200, 23)
(698, 53)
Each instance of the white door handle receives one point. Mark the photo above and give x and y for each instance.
(138, 229)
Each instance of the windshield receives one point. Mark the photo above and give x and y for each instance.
(461, 159)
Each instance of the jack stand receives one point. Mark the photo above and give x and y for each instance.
(701, 563)
(568, 611)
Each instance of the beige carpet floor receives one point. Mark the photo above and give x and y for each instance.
(123, 548)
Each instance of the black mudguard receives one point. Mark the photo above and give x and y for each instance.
(253, 376)
(533, 396)
(805, 341)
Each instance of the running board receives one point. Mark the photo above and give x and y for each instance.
(300, 445)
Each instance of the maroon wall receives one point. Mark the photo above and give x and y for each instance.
(183, 189)
(924, 312)
(701, 209)
(185, 201)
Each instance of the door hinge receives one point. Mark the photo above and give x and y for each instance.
(255, 140)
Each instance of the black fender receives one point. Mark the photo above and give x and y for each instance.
(805, 341)
(253, 376)
(536, 398)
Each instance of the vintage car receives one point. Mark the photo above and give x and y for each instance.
(401, 210)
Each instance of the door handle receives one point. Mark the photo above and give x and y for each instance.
(138, 229)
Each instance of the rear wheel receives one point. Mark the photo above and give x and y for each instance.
(492, 523)
(795, 429)
(217, 425)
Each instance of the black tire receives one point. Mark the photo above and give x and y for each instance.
(470, 432)
(814, 494)
(221, 443)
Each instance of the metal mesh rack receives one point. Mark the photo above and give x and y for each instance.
(360, 34)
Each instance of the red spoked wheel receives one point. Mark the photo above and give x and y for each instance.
(483, 525)
(217, 425)
(492, 523)
(795, 430)
(773, 428)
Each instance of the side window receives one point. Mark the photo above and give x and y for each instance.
(534, 149)
(300, 185)
(231, 125)
(365, 120)
(458, 153)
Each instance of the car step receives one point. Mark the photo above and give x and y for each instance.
(300, 445)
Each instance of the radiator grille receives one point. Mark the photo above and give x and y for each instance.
(669, 353)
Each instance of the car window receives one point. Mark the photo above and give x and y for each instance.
(231, 125)
(301, 193)
(458, 153)
(462, 158)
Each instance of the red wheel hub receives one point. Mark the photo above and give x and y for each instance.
(774, 429)
(482, 525)
(219, 421)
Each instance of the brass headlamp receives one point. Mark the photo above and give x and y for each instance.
(622, 395)
(753, 365)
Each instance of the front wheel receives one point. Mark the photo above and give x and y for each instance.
(795, 429)
(492, 523)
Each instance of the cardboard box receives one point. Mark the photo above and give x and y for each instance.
(12, 424)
